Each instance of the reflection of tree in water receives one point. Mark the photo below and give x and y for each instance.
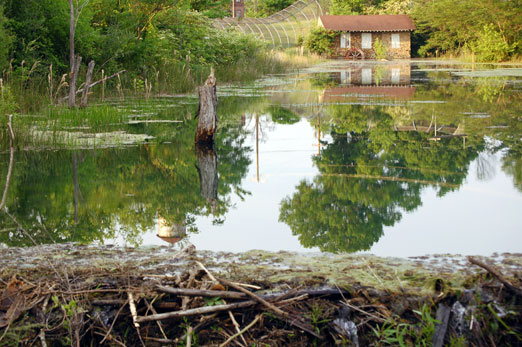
(368, 177)
(118, 192)
(510, 142)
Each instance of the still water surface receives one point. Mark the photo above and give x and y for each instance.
(395, 159)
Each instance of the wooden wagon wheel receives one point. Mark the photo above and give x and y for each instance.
(355, 53)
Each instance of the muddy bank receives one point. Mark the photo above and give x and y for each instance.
(71, 294)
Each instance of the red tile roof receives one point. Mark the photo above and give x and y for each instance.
(371, 23)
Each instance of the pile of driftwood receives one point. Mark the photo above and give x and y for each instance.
(196, 307)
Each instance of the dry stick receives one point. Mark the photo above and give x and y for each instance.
(42, 331)
(103, 80)
(379, 319)
(275, 309)
(11, 161)
(208, 272)
(297, 298)
(280, 296)
(240, 333)
(113, 322)
(232, 318)
(236, 325)
(111, 338)
(256, 297)
(201, 292)
(160, 326)
(495, 272)
(248, 285)
(95, 83)
(375, 275)
(86, 291)
(134, 312)
(189, 336)
(196, 311)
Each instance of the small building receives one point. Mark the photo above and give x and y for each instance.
(358, 34)
(238, 9)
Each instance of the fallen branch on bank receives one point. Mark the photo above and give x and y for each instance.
(495, 272)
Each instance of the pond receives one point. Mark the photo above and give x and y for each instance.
(392, 158)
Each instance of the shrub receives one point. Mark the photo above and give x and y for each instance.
(380, 50)
(321, 41)
(491, 46)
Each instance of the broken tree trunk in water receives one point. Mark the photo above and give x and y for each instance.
(208, 173)
(207, 111)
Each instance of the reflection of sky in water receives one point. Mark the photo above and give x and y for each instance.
(481, 216)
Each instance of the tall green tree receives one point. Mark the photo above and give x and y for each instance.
(455, 26)
(6, 39)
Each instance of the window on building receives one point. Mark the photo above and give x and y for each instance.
(395, 76)
(345, 40)
(238, 0)
(396, 41)
(366, 41)
(366, 76)
(346, 76)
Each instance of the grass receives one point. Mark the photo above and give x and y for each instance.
(395, 333)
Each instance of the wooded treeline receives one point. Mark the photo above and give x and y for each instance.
(164, 45)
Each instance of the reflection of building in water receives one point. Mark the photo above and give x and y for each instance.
(389, 74)
(171, 234)
(390, 80)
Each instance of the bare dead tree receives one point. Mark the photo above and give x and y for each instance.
(75, 9)
(88, 78)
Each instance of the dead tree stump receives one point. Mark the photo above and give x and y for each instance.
(207, 111)
(88, 77)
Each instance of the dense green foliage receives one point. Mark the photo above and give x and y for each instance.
(491, 28)
(5, 38)
(265, 8)
(165, 46)
(321, 41)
